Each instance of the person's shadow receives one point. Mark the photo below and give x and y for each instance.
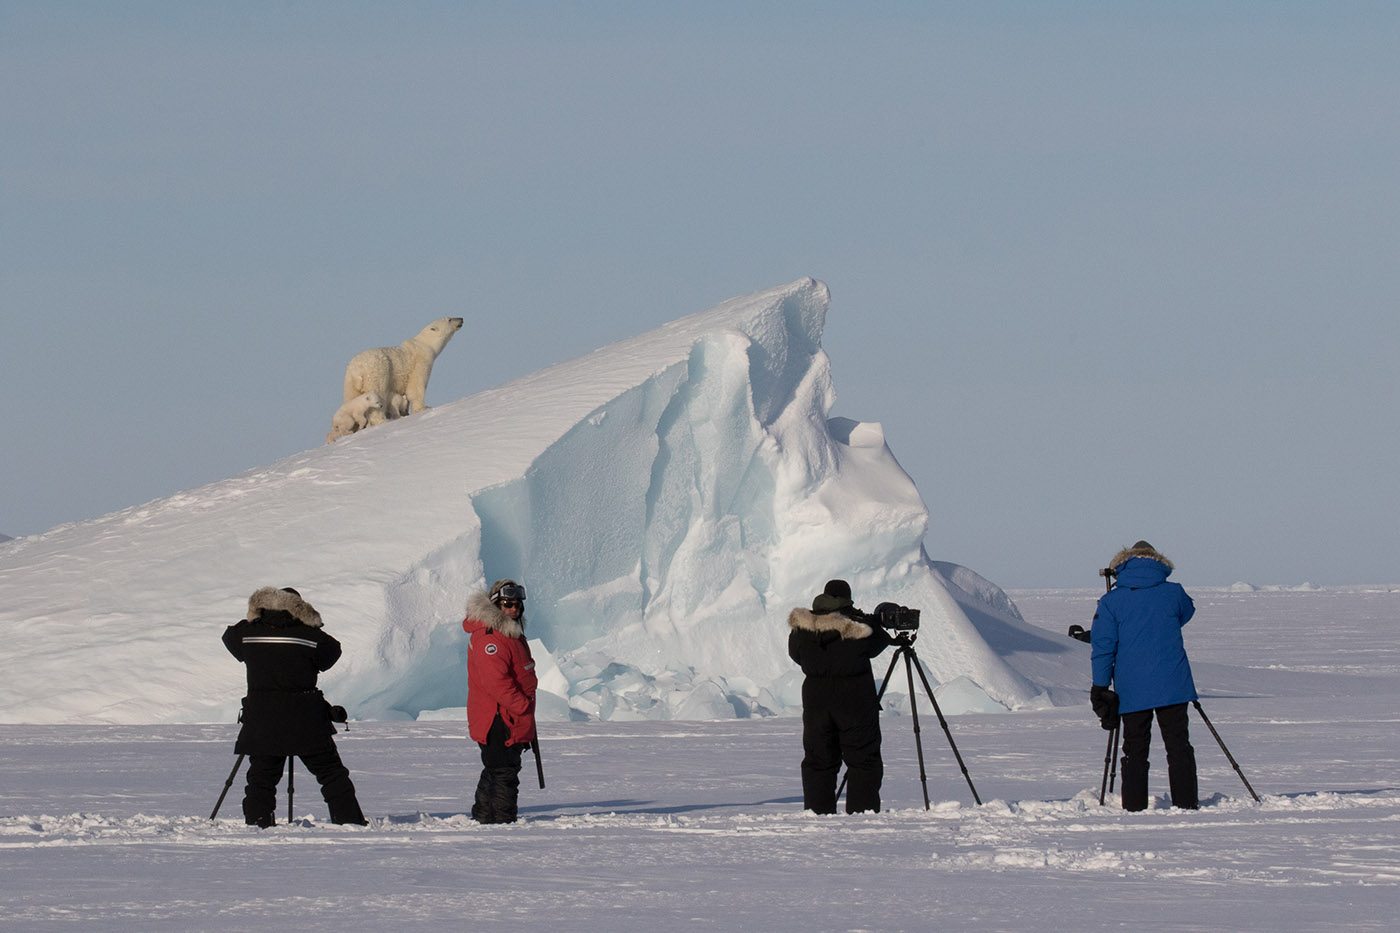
(554, 811)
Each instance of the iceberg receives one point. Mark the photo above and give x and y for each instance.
(666, 500)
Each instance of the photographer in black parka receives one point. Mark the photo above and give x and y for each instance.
(834, 645)
(284, 648)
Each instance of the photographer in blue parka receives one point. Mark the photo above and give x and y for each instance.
(1138, 650)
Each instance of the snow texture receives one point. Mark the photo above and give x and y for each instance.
(652, 826)
(666, 499)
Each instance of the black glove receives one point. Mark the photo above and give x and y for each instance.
(1105, 704)
(1078, 632)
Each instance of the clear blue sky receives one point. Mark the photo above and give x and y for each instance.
(1104, 271)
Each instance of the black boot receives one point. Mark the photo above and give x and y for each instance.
(260, 796)
(1181, 758)
(337, 790)
(863, 790)
(347, 810)
(1134, 784)
(505, 790)
(818, 790)
(1181, 774)
(483, 809)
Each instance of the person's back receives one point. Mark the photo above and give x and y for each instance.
(1139, 649)
(840, 706)
(283, 649)
(1137, 636)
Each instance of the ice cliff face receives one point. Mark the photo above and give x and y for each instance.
(667, 500)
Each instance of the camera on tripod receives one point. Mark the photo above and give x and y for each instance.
(895, 617)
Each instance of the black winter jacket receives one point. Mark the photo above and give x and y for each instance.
(835, 646)
(284, 649)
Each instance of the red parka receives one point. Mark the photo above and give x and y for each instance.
(500, 673)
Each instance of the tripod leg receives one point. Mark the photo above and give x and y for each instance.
(914, 714)
(539, 763)
(1117, 734)
(946, 731)
(291, 790)
(227, 784)
(1221, 742)
(1107, 757)
(878, 696)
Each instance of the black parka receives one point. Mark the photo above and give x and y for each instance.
(840, 706)
(836, 647)
(284, 649)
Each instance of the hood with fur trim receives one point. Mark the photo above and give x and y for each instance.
(1128, 553)
(810, 621)
(480, 608)
(272, 599)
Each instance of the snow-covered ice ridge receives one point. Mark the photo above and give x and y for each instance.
(666, 499)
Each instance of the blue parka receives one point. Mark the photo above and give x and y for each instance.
(1136, 635)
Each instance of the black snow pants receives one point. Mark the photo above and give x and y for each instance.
(264, 771)
(841, 723)
(498, 788)
(1181, 757)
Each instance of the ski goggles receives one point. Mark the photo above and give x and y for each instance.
(511, 592)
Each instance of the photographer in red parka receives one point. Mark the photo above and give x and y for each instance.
(284, 648)
(500, 696)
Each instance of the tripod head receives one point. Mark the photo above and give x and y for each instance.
(1109, 575)
(904, 638)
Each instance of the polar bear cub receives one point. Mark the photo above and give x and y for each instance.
(362, 411)
(400, 371)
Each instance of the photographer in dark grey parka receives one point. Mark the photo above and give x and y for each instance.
(840, 708)
(1139, 650)
(284, 648)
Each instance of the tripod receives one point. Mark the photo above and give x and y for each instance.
(291, 789)
(905, 642)
(1110, 757)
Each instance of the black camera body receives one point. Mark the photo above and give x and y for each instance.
(896, 618)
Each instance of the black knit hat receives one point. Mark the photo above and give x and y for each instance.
(838, 588)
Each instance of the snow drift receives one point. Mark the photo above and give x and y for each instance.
(666, 499)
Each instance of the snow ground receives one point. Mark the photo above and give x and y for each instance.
(694, 825)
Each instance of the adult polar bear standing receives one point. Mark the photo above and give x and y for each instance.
(401, 370)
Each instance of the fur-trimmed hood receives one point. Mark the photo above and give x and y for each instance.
(480, 608)
(272, 599)
(810, 621)
(1141, 549)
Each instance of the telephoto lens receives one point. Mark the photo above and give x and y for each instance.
(896, 617)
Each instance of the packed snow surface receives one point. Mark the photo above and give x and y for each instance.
(666, 500)
(652, 826)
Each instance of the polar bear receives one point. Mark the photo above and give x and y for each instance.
(362, 411)
(401, 370)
